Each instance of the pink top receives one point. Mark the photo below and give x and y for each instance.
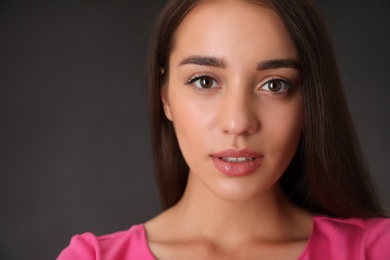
(331, 238)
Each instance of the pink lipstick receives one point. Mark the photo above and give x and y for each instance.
(237, 162)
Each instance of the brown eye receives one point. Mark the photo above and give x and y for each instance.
(276, 86)
(204, 82)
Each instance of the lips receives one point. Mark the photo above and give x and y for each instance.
(237, 162)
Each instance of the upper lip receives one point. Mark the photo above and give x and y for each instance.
(237, 153)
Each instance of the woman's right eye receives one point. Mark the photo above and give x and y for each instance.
(204, 82)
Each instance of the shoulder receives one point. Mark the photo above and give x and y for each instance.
(128, 244)
(351, 238)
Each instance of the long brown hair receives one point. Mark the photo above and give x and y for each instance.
(327, 174)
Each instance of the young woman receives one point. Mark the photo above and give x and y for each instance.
(255, 153)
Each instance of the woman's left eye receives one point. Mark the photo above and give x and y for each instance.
(276, 86)
(204, 82)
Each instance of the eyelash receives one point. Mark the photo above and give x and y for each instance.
(191, 81)
(288, 84)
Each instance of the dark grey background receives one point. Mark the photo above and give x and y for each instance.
(74, 137)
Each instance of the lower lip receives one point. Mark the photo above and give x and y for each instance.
(235, 169)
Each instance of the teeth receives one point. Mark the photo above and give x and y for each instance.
(237, 159)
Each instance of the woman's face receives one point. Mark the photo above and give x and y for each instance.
(233, 94)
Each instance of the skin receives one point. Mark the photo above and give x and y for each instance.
(220, 216)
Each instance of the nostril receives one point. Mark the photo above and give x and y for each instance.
(241, 125)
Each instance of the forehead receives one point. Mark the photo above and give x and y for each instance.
(218, 28)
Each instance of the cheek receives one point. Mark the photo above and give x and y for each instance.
(282, 126)
(291, 120)
(284, 130)
(192, 121)
(191, 112)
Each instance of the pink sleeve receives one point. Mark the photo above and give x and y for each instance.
(81, 247)
(378, 240)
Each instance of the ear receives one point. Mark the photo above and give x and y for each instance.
(165, 101)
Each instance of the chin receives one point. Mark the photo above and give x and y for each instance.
(242, 192)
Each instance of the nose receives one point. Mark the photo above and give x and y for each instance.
(238, 115)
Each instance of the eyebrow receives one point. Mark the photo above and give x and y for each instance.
(204, 61)
(278, 64)
(220, 63)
